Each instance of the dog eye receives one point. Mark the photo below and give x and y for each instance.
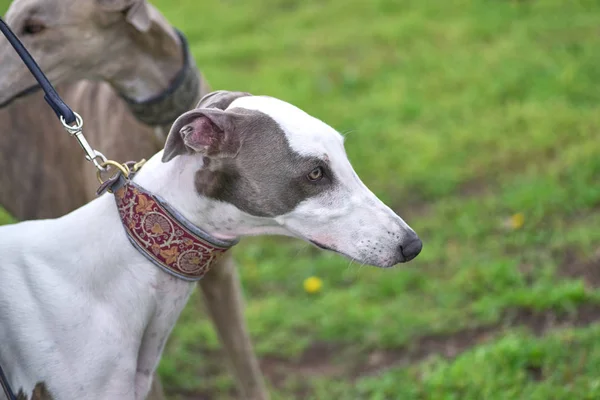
(33, 28)
(315, 175)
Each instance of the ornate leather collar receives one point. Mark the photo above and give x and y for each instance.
(164, 236)
(181, 96)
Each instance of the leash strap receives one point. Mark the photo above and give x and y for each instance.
(51, 97)
(4, 383)
(71, 121)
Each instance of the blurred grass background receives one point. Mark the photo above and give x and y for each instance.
(477, 121)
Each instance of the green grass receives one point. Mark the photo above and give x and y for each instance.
(510, 368)
(458, 114)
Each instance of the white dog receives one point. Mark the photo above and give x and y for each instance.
(84, 309)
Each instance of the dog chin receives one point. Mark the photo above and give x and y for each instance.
(384, 264)
(325, 247)
(373, 263)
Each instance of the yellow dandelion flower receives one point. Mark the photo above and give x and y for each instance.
(312, 284)
(517, 221)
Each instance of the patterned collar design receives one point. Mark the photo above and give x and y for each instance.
(164, 236)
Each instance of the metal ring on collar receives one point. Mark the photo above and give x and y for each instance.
(122, 168)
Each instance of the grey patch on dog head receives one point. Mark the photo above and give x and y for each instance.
(266, 178)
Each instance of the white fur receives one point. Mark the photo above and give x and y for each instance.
(83, 311)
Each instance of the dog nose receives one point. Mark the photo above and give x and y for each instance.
(411, 248)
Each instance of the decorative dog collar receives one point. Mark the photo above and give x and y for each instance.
(179, 97)
(164, 236)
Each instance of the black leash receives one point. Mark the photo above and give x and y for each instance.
(51, 97)
(71, 121)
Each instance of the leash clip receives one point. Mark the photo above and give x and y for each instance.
(123, 173)
(76, 131)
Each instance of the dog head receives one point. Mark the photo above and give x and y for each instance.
(270, 161)
(74, 39)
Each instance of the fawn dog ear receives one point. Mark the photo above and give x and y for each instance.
(137, 12)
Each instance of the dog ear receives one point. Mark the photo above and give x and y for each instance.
(210, 132)
(138, 15)
(137, 12)
(220, 99)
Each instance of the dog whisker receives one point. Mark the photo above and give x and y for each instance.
(349, 264)
(302, 249)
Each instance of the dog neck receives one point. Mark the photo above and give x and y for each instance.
(173, 182)
(182, 94)
(149, 60)
(164, 236)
